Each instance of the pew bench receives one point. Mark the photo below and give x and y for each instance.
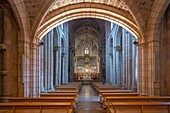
(100, 88)
(58, 94)
(139, 107)
(108, 100)
(63, 91)
(104, 95)
(25, 107)
(38, 99)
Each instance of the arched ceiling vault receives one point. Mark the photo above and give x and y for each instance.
(86, 33)
(88, 10)
(33, 12)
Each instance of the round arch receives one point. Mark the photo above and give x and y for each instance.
(158, 18)
(87, 10)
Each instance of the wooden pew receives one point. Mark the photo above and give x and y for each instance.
(41, 107)
(104, 95)
(139, 107)
(63, 91)
(38, 99)
(108, 100)
(70, 86)
(99, 87)
(58, 94)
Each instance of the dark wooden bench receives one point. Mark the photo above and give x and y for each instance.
(37, 99)
(104, 95)
(59, 95)
(26, 107)
(139, 107)
(99, 87)
(108, 100)
(63, 91)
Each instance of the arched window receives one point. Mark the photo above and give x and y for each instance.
(86, 51)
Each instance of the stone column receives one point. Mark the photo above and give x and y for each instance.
(153, 68)
(129, 46)
(51, 61)
(1, 50)
(111, 69)
(34, 78)
(42, 67)
(63, 65)
(45, 61)
(142, 69)
(124, 59)
(56, 64)
(59, 63)
(134, 66)
(114, 62)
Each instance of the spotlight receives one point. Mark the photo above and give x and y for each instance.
(41, 43)
(136, 43)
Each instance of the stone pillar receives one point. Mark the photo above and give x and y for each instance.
(123, 59)
(34, 77)
(59, 63)
(51, 61)
(129, 46)
(1, 50)
(114, 62)
(42, 67)
(45, 61)
(142, 69)
(134, 66)
(153, 67)
(63, 69)
(56, 65)
(111, 69)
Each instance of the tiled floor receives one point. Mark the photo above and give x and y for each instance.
(88, 101)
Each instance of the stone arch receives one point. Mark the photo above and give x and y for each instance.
(21, 15)
(158, 15)
(74, 5)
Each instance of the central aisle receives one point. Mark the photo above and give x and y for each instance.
(88, 101)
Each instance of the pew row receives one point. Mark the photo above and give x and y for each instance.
(38, 99)
(73, 86)
(98, 86)
(59, 94)
(104, 95)
(139, 107)
(108, 100)
(25, 107)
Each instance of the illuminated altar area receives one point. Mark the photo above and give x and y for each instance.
(86, 68)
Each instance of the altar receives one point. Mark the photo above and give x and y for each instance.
(86, 77)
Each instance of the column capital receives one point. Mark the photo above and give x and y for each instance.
(143, 45)
(35, 46)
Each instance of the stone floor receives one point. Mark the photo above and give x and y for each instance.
(88, 101)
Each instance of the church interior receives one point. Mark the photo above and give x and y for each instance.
(78, 56)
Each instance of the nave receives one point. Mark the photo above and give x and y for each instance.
(88, 100)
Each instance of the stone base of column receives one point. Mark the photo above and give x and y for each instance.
(51, 88)
(43, 91)
(124, 88)
(143, 94)
(134, 89)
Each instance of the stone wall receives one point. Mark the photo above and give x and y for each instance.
(8, 52)
(165, 54)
